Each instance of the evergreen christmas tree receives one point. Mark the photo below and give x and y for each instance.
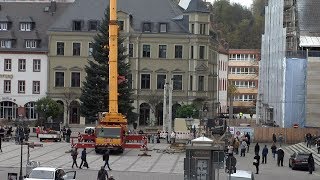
(95, 92)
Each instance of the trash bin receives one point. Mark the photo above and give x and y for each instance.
(31, 165)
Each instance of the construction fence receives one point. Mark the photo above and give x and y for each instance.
(290, 135)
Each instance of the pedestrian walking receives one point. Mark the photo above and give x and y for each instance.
(264, 154)
(280, 153)
(64, 132)
(106, 159)
(230, 149)
(68, 135)
(38, 130)
(310, 163)
(309, 138)
(173, 137)
(274, 150)
(74, 155)
(1, 144)
(318, 146)
(256, 149)
(256, 162)
(280, 139)
(102, 174)
(236, 146)
(84, 159)
(274, 138)
(243, 147)
(248, 141)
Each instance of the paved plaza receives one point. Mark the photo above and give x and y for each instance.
(131, 166)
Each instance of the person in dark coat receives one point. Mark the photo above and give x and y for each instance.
(106, 159)
(68, 134)
(102, 174)
(84, 159)
(310, 163)
(274, 150)
(257, 162)
(248, 141)
(280, 153)
(256, 149)
(274, 138)
(264, 154)
(74, 155)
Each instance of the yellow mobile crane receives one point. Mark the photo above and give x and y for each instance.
(110, 133)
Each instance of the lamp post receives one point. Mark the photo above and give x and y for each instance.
(21, 148)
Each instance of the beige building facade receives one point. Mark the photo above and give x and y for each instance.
(171, 44)
(244, 75)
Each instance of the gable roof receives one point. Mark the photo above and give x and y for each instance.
(197, 6)
(154, 11)
(32, 12)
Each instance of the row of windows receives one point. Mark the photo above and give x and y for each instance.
(244, 97)
(146, 50)
(76, 49)
(7, 88)
(24, 26)
(30, 44)
(59, 79)
(242, 70)
(22, 65)
(242, 57)
(176, 79)
(245, 84)
(202, 29)
(162, 51)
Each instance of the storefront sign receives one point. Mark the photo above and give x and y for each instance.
(7, 99)
(9, 76)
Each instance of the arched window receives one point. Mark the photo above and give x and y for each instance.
(31, 113)
(8, 110)
(144, 114)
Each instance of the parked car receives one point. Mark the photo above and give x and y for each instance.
(50, 173)
(299, 160)
(242, 175)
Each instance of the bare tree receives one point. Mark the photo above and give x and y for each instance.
(68, 97)
(153, 99)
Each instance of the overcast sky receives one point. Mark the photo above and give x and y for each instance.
(184, 3)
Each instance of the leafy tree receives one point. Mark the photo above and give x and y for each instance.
(46, 107)
(95, 93)
(239, 26)
(186, 111)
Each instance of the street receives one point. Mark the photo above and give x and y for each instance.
(131, 166)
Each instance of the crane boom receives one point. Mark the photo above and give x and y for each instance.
(113, 58)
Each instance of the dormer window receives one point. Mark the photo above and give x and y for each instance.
(93, 25)
(25, 26)
(77, 25)
(121, 25)
(203, 29)
(3, 26)
(5, 43)
(163, 27)
(31, 44)
(146, 27)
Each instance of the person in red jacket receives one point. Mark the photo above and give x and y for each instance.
(38, 131)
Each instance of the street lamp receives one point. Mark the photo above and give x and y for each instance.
(21, 149)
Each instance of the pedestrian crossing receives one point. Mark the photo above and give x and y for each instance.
(302, 147)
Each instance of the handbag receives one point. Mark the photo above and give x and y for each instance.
(255, 162)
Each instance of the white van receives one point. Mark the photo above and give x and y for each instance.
(242, 175)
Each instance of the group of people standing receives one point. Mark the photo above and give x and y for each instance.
(102, 173)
